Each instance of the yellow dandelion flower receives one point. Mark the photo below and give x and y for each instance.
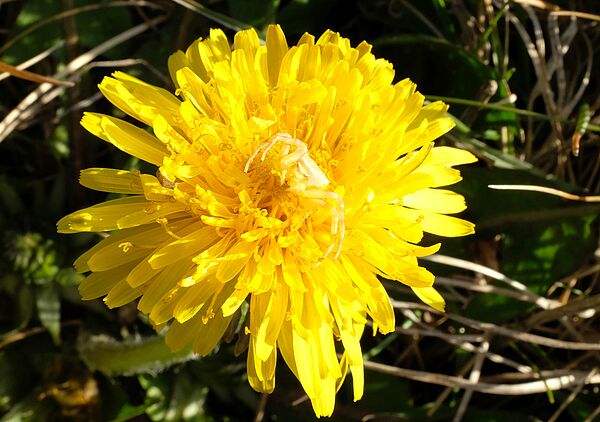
(289, 178)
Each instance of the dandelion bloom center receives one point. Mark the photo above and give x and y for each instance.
(289, 179)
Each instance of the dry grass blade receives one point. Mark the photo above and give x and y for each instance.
(73, 12)
(130, 62)
(31, 76)
(444, 394)
(478, 268)
(585, 80)
(474, 378)
(539, 4)
(536, 52)
(554, 383)
(462, 341)
(549, 191)
(576, 14)
(17, 115)
(503, 331)
(589, 305)
(35, 59)
(557, 11)
(490, 288)
(570, 398)
(226, 21)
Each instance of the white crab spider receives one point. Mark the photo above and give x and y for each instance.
(305, 179)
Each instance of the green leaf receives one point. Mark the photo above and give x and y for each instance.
(15, 378)
(129, 357)
(539, 254)
(174, 398)
(543, 237)
(129, 412)
(48, 309)
(494, 210)
(30, 409)
(443, 13)
(24, 306)
(435, 65)
(384, 393)
(68, 277)
(39, 40)
(96, 27)
(10, 201)
(299, 16)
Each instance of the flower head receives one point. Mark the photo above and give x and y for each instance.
(288, 178)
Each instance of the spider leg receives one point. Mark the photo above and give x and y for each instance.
(253, 156)
(284, 170)
(338, 224)
(269, 146)
(265, 147)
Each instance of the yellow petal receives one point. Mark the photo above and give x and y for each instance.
(431, 297)
(234, 301)
(267, 312)
(121, 294)
(139, 99)
(276, 49)
(192, 299)
(102, 217)
(234, 260)
(126, 137)
(261, 373)
(211, 333)
(436, 200)
(175, 62)
(159, 288)
(199, 239)
(111, 180)
(99, 284)
(442, 225)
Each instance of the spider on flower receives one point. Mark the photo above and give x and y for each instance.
(305, 179)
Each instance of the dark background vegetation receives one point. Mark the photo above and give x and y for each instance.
(522, 80)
